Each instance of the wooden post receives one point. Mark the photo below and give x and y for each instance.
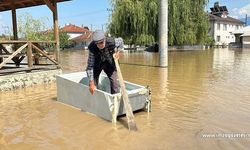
(14, 23)
(29, 54)
(163, 33)
(56, 31)
(1, 58)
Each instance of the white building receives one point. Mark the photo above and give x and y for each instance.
(222, 26)
(243, 37)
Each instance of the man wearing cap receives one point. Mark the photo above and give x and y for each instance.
(101, 51)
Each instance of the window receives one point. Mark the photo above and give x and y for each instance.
(237, 27)
(225, 27)
(218, 39)
(218, 26)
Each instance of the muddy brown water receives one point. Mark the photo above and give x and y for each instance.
(201, 101)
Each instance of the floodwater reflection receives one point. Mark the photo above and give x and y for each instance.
(201, 92)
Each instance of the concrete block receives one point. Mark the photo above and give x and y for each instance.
(72, 89)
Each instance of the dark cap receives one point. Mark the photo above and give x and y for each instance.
(98, 35)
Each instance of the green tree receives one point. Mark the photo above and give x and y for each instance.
(64, 39)
(137, 21)
(30, 28)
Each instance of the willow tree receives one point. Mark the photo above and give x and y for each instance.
(188, 22)
(137, 21)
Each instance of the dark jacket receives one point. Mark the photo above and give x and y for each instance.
(105, 55)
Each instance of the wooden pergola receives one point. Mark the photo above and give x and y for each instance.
(28, 49)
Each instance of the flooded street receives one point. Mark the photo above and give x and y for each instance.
(202, 97)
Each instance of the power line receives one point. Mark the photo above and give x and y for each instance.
(83, 14)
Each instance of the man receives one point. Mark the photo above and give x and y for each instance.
(101, 51)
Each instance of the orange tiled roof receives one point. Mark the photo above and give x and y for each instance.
(73, 29)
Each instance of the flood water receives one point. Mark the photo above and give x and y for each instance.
(201, 101)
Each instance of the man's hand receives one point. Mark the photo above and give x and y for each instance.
(116, 55)
(92, 87)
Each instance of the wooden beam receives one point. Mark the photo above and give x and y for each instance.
(4, 49)
(21, 42)
(27, 64)
(56, 31)
(20, 5)
(20, 60)
(50, 5)
(2, 8)
(1, 52)
(3, 55)
(14, 21)
(29, 54)
(13, 55)
(7, 4)
(6, 71)
(42, 52)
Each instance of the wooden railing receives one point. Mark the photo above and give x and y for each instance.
(32, 50)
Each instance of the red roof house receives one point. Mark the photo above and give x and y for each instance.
(74, 31)
(80, 37)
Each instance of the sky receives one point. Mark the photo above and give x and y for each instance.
(94, 13)
(237, 8)
(79, 12)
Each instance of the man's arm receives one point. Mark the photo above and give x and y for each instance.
(90, 66)
(90, 72)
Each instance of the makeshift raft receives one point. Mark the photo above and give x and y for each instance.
(73, 89)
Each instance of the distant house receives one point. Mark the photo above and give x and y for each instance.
(222, 26)
(242, 37)
(74, 31)
(246, 40)
(78, 36)
(82, 41)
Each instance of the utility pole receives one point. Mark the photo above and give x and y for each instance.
(246, 20)
(163, 33)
